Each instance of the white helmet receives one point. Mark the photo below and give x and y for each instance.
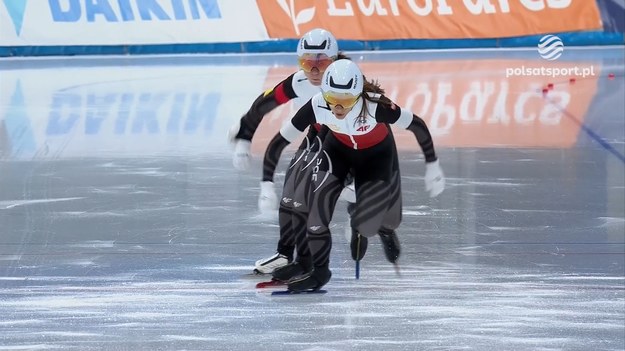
(342, 77)
(318, 41)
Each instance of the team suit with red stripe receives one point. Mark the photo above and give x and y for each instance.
(295, 88)
(360, 143)
(305, 165)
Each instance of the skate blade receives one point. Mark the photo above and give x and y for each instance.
(304, 292)
(397, 270)
(270, 284)
(255, 275)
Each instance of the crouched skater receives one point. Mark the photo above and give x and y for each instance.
(357, 115)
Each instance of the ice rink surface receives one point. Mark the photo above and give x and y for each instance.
(124, 226)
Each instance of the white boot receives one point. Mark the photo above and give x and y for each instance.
(267, 265)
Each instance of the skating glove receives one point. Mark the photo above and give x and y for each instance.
(241, 157)
(434, 178)
(268, 200)
(232, 133)
(349, 193)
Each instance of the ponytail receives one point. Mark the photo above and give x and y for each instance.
(371, 87)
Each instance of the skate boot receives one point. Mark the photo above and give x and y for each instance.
(269, 264)
(311, 281)
(358, 245)
(390, 243)
(293, 269)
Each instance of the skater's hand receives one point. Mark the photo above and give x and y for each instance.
(268, 200)
(349, 193)
(434, 179)
(232, 133)
(241, 157)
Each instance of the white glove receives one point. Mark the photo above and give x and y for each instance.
(241, 157)
(434, 178)
(268, 200)
(233, 131)
(349, 193)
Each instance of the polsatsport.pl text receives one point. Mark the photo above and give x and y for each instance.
(550, 71)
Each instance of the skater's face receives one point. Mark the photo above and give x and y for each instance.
(340, 104)
(314, 76)
(314, 65)
(339, 111)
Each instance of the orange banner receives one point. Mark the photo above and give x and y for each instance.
(427, 19)
(476, 103)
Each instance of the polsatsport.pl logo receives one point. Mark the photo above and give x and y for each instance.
(550, 47)
(553, 72)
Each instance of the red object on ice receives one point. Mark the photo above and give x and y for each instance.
(545, 91)
(572, 80)
(550, 86)
(269, 284)
(611, 76)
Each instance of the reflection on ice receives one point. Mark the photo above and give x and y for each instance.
(123, 225)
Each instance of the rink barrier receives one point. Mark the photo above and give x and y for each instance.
(94, 110)
(288, 45)
(137, 27)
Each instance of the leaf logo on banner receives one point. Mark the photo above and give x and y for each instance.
(304, 16)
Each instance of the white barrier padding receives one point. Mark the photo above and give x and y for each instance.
(124, 111)
(129, 22)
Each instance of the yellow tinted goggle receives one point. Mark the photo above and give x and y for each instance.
(309, 61)
(345, 100)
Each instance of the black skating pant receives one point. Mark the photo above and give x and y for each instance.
(378, 192)
(293, 210)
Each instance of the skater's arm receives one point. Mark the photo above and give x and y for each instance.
(316, 133)
(393, 114)
(323, 131)
(308, 141)
(265, 103)
(418, 127)
(272, 156)
(288, 133)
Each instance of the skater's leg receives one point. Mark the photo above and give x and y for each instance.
(393, 217)
(286, 242)
(377, 188)
(318, 234)
(299, 217)
(326, 183)
(298, 220)
(371, 207)
(358, 243)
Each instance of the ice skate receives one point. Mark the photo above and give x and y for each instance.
(312, 281)
(291, 270)
(358, 245)
(269, 264)
(390, 243)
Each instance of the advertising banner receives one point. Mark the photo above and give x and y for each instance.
(119, 111)
(496, 103)
(128, 22)
(428, 19)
